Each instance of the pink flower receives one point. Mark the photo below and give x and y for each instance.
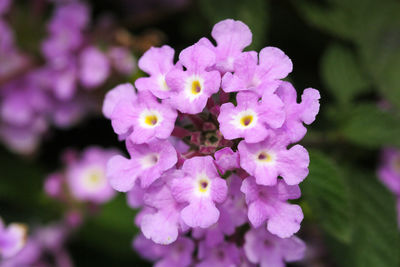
(12, 239)
(298, 113)
(232, 36)
(251, 119)
(270, 158)
(201, 188)
(268, 203)
(148, 118)
(226, 159)
(266, 76)
(86, 177)
(389, 170)
(193, 87)
(122, 60)
(156, 62)
(94, 67)
(148, 162)
(233, 213)
(177, 254)
(266, 249)
(163, 225)
(122, 92)
(221, 255)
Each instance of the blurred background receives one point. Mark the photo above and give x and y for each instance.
(349, 50)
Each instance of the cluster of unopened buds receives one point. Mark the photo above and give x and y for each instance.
(211, 158)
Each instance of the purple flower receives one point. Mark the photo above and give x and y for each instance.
(53, 184)
(266, 249)
(200, 188)
(86, 177)
(226, 159)
(74, 15)
(148, 162)
(389, 171)
(251, 118)
(266, 76)
(4, 6)
(94, 67)
(134, 197)
(163, 225)
(270, 158)
(147, 248)
(149, 118)
(222, 255)
(122, 60)
(177, 254)
(268, 203)
(122, 92)
(297, 114)
(193, 87)
(157, 62)
(233, 213)
(45, 242)
(12, 239)
(61, 43)
(232, 37)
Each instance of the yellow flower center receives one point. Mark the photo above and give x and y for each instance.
(196, 87)
(246, 120)
(151, 120)
(264, 157)
(94, 178)
(203, 185)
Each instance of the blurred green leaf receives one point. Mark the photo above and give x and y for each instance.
(376, 240)
(115, 223)
(334, 20)
(327, 193)
(254, 14)
(342, 73)
(370, 126)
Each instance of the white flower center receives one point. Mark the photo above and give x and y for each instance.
(245, 119)
(150, 160)
(265, 157)
(194, 87)
(94, 178)
(202, 185)
(162, 83)
(150, 118)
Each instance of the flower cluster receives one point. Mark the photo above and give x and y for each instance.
(82, 180)
(210, 144)
(81, 187)
(45, 246)
(389, 173)
(34, 96)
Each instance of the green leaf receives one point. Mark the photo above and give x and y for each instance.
(327, 193)
(370, 126)
(254, 14)
(342, 73)
(334, 20)
(112, 230)
(376, 240)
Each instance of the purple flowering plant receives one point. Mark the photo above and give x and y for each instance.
(202, 154)
(213, 154)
